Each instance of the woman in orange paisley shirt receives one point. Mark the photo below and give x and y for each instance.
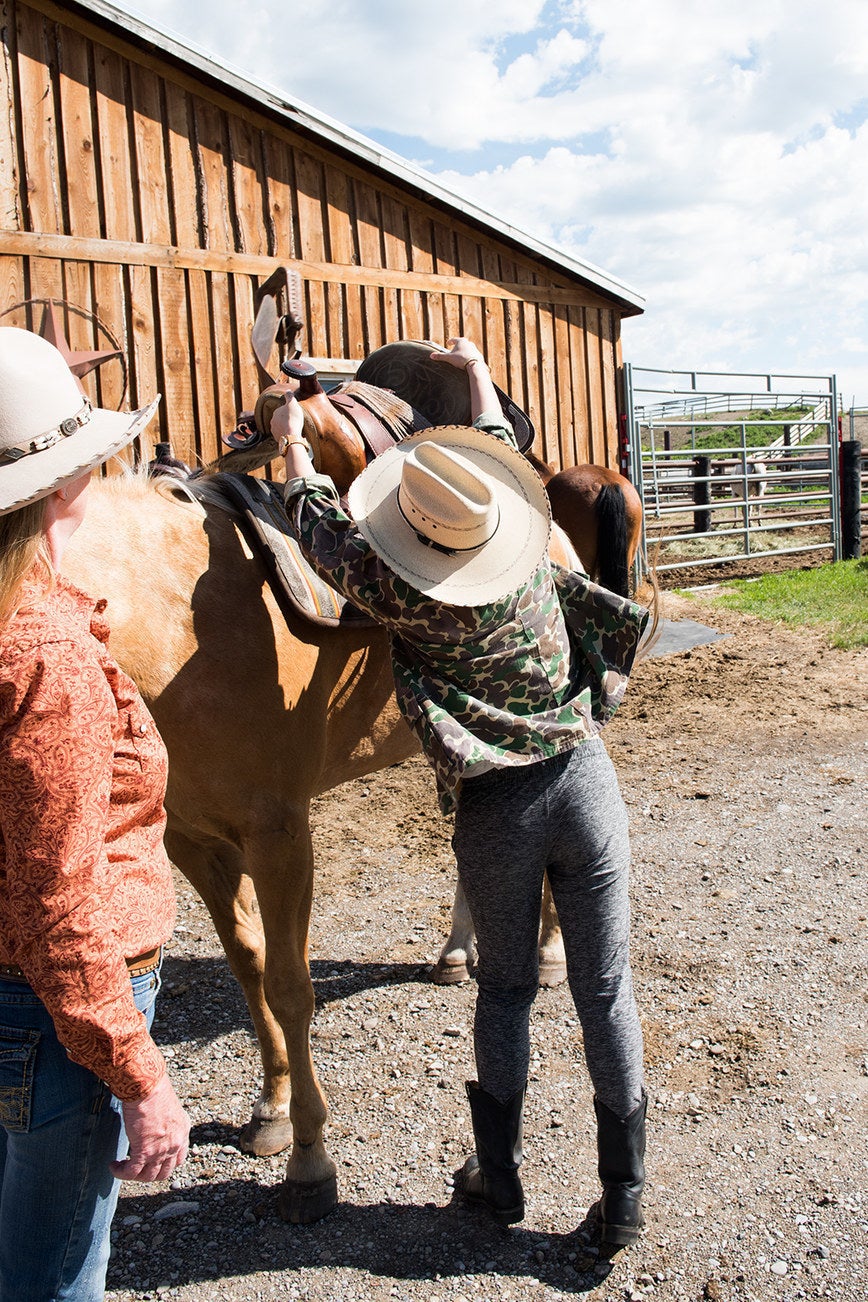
(86, 896)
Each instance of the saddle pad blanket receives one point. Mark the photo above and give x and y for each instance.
(259, 505)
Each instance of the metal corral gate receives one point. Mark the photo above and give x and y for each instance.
(768, 488)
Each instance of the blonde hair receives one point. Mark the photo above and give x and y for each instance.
(23, 554)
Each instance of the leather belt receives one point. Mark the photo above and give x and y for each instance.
(138, 966)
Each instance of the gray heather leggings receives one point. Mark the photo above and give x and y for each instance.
(563, 816)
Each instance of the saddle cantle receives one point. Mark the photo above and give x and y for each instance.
(441, 392)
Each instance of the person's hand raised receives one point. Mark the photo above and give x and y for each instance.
(461, 353)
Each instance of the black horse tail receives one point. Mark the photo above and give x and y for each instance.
(613, 572)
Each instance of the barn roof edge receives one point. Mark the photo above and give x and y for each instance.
(136, 27)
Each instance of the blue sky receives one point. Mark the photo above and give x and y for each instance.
(712, 154)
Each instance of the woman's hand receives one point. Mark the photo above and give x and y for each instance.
(158, 1130)
(462, 352)
(287, 420)
(287, 429)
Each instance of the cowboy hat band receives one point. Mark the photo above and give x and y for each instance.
(50, 434)
(456, 512)
(41, 442)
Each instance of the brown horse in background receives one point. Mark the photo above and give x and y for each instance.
(601, 512)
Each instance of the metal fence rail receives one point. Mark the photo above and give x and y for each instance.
(769, 498)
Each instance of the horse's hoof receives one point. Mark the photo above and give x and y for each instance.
(302, 1204)
(552, 974)
(450, 972)
(264, 1138)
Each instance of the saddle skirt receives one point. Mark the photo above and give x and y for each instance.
(258, 506)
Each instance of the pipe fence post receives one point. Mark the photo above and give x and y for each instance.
(701, 494)
(851, 500)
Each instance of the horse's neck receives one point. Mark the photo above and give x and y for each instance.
(143, 555)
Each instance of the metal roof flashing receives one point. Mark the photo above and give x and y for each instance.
(134, 27)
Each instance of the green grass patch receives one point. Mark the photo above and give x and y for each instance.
(715, 433)
(755, 432)
(832, 597)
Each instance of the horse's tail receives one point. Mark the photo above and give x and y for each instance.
(612, 565)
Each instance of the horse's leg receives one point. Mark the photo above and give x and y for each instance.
(309, 1190)
(458, 955)
(457, 958)
(552, 959)
(215, 870)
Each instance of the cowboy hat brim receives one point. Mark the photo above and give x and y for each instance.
(474, 578)
(39, 474)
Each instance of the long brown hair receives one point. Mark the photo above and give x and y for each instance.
(22, 552)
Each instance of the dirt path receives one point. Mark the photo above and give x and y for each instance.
(744, 766)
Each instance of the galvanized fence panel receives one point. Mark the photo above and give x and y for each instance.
(769, 488)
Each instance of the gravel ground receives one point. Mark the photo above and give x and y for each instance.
(744, 766)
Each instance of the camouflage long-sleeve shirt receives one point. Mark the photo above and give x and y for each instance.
(513, 682)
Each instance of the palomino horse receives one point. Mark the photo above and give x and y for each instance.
(191, 611)
(598, 510)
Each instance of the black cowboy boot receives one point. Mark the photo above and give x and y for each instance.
(490, 1176)
(621, 1151)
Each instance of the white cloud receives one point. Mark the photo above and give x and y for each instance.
(713, 155)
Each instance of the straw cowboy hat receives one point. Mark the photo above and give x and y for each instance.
(459, 514)
(49, 432)
(441, 392)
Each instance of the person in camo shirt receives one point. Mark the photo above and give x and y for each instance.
(506, 667)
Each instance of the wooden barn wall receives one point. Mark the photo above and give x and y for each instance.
(157, 205)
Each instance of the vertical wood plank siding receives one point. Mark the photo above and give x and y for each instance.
(103, 142)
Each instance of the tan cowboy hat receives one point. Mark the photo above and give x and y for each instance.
(49, 432)
(459, 514)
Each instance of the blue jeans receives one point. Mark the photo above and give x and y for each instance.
(60, 1127)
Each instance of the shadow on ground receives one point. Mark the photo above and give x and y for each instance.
(238, 1222)
(201, 1000)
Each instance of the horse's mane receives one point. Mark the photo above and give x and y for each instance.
(135, 483)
